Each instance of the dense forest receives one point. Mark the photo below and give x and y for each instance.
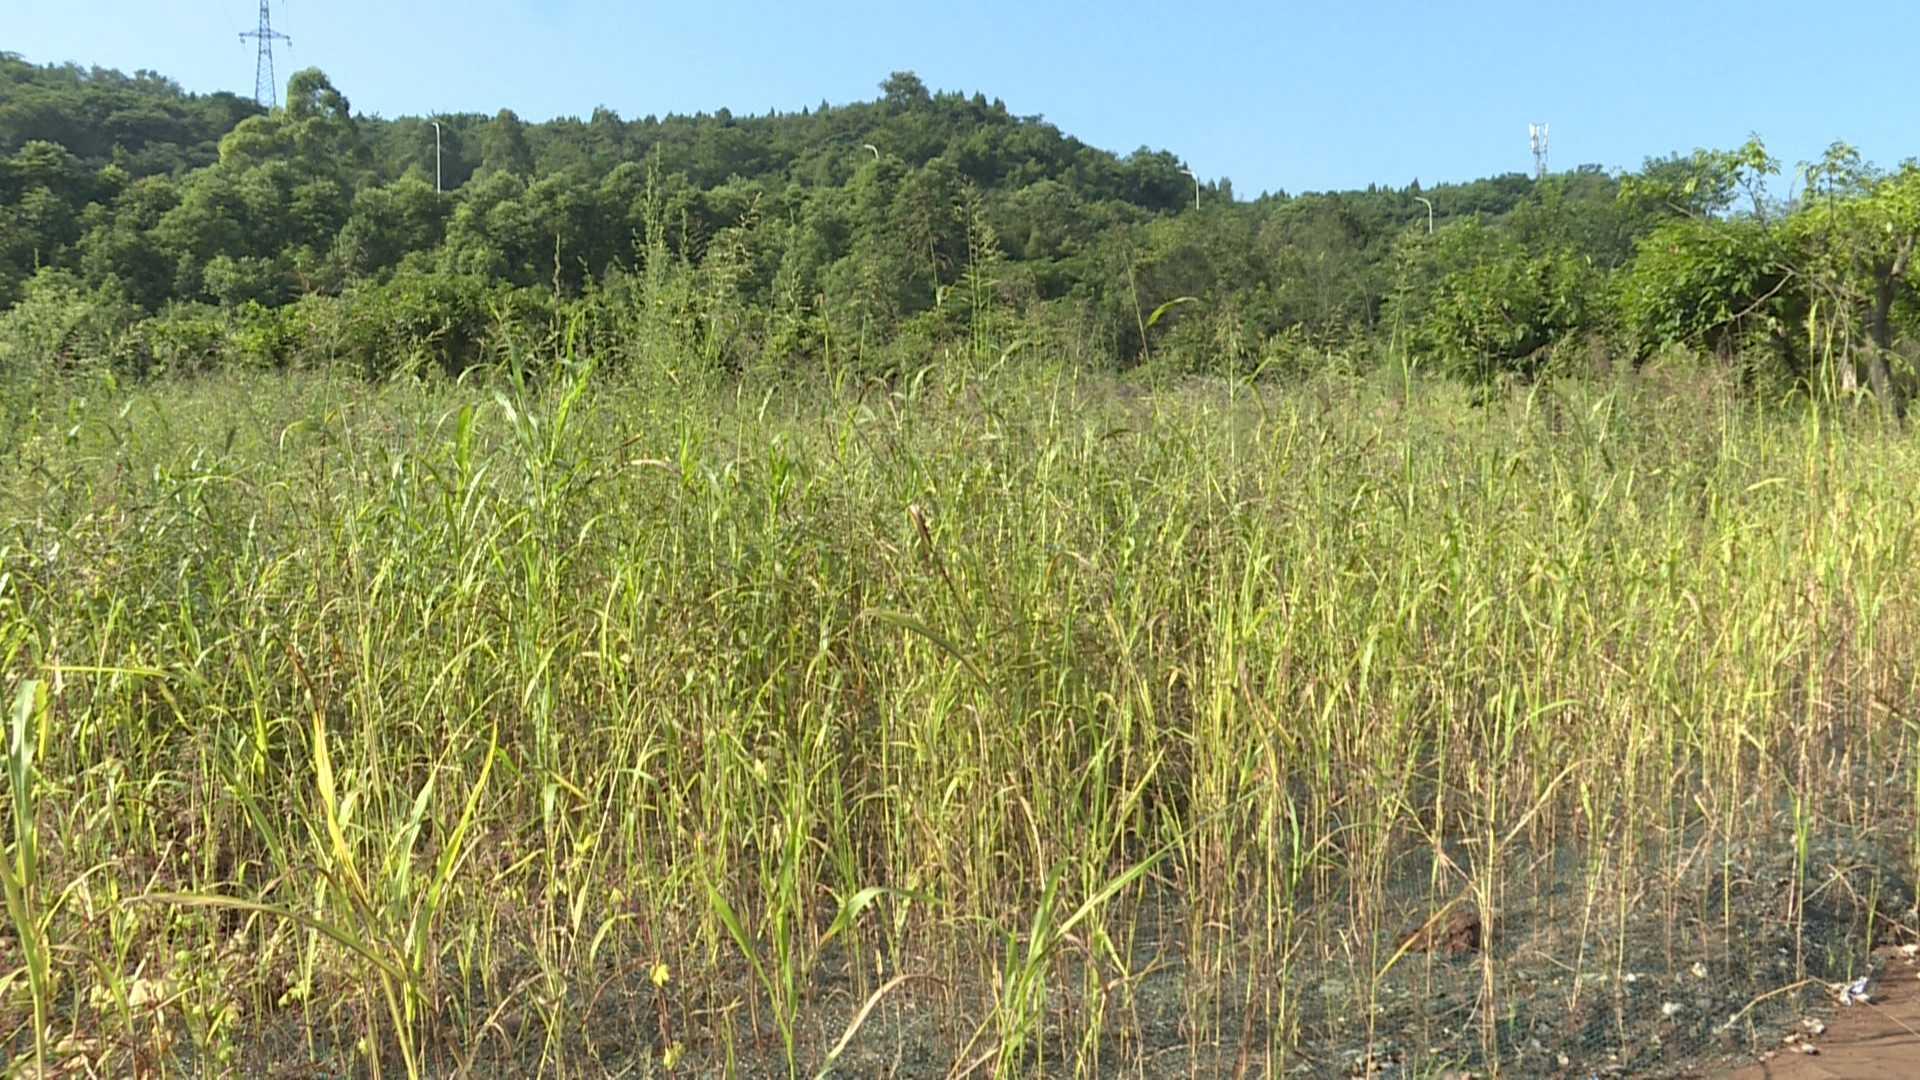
(153, 229)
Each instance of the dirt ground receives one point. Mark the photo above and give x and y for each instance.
(1879, 1040)
(1707, 974)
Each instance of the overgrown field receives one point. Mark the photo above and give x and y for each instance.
(991, 721)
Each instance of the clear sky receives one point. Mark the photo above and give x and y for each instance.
(1301, 96)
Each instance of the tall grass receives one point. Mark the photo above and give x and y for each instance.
(585, 724)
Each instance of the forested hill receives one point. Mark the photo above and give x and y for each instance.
(146, 124)
(868, 205)
(904, 157)
(143, 123)
(888, 226)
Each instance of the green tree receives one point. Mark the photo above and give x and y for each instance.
(388, 223)
(504, 146)
(1503, 314)
(1856, 232)
(1705, 283)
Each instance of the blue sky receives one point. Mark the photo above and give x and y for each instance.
(1302, 96)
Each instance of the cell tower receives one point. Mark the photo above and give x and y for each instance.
(266, 90)
(1537, 135)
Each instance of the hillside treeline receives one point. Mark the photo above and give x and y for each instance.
(153, 229)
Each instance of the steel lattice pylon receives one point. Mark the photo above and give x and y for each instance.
(266, 90)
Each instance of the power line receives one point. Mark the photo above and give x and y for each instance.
(266, 89)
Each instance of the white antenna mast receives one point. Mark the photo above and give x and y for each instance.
(1537, 136)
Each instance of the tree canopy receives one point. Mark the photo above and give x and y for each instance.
(867, 222)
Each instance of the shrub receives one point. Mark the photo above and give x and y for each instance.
(1500, 316)
(1704, 283)
(59, 324)
(417, 320)
(182, 339)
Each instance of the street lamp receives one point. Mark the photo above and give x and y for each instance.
(436, 155)
(1429, 204)
(874, 149)
(1196, 187)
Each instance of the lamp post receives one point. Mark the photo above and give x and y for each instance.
(873, 149)
(1196, 187)
(1429, 205)
(436, 155)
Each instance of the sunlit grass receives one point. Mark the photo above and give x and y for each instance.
(612, 725)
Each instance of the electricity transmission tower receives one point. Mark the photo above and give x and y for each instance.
(1537, 135)
(266, 91)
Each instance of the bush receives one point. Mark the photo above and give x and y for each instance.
(417, 320)
(1502, 315)
(1705, 284)
(60, 324)
(183, 339)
